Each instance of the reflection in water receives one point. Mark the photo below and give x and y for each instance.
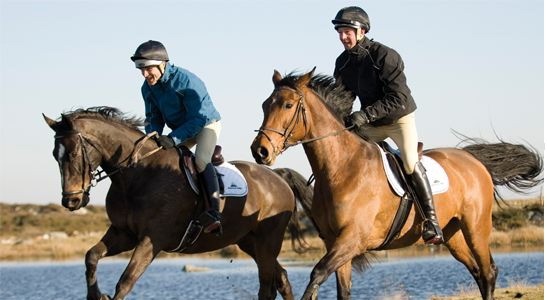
(418, 278)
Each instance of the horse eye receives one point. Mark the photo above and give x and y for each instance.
(288, 105)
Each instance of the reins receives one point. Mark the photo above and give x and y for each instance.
(300, 109)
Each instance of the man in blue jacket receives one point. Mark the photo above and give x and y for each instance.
(175, 97)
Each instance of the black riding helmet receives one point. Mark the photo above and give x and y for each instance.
(149, 53)
(352, 16)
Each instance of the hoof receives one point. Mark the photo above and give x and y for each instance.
(105, 297)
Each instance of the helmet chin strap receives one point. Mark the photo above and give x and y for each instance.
(359, 35)
(161, 67)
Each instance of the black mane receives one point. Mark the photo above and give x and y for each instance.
(108, 114)
(335, 95)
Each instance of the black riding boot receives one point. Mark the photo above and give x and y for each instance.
(212, 191)
(431, 232)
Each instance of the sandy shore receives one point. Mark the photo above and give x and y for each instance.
(516, 291)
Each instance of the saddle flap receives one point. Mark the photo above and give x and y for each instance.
(437, 176)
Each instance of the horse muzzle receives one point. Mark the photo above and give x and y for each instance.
(75, 201)
(262, 154)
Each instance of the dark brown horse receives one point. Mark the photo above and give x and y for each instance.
(353, 204)
(150, 204)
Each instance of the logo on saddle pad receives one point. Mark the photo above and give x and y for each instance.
(435, 173)
(233, 181)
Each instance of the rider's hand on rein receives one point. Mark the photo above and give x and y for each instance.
(165, 141)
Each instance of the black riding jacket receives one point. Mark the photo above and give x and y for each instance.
(374, 73)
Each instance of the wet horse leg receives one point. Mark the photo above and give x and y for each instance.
(343, 281)
(143, 255)
(113, 242)
(340, 254)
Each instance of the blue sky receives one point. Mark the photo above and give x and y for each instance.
(473, 66)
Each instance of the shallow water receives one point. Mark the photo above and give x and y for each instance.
(417, 278)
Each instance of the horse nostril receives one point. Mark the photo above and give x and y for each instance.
(263, 152)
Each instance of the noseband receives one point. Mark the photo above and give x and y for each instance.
(287, 133)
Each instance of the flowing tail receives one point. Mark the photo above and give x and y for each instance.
(304, 194)
(514, 166)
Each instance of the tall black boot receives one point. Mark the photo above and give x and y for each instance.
(212, 192)
(431, 232)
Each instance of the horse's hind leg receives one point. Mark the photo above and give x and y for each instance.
(282, 282)
(456, 244)
(477, 236)
(495, 268)
(112, 243)
(270, 277)
(264, 248)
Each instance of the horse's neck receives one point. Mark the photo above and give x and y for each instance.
(330, 154)
(115, 143)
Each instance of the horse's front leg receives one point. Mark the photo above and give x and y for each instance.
(113, 242)
(142, 257)
(340, 254)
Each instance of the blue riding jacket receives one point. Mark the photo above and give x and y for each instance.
(180, 101)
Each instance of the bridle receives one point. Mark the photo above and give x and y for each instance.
(286, 133)
(99, 175)
(86, 161)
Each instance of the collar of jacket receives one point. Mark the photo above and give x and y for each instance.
(361, 46)
(169, 68)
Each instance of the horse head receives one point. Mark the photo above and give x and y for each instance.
(88, 138)
(77, 158)
(284, 123)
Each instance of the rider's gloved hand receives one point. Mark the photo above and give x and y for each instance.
(358, 118)
(165, 141)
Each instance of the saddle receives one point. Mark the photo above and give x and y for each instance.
(188, 165)
(396, 165)
(200, 218)
(396, 162)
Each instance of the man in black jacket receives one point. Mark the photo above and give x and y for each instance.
(374, 73)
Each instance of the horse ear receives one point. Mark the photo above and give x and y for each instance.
(50, 122)
(276, 77)
(305, 79)
(65, 124)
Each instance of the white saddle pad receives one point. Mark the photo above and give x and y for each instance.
(435, 173)
(235, 184)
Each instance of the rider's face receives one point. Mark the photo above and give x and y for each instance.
(152, 74)
(348, 36)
